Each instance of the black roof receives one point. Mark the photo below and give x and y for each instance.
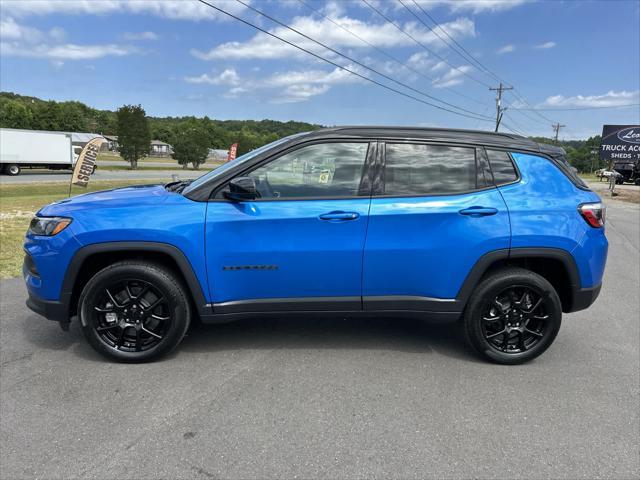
(472, 137)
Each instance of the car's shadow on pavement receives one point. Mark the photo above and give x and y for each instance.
(289, 333)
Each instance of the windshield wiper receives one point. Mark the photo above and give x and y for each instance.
(177, 186)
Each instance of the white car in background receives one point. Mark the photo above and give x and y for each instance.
(604, 173)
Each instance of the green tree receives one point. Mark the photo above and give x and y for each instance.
(14, 114)
(134, 138)
(190, 144)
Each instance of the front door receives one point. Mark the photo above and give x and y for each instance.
(437, 214)
(299, 246)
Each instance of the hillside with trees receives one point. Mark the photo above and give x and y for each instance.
(18, 111)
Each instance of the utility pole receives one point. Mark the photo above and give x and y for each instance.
(556, 128)
(499, 109)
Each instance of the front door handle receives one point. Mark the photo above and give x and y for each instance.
(478, 211)
(339, 216)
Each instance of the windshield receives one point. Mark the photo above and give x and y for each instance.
(241, 159)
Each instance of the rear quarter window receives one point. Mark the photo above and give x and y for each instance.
(502, 167)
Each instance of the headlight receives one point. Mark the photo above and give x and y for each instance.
(48, 226)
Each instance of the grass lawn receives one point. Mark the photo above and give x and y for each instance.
(114, 157)
(18, 203)
(203, 168)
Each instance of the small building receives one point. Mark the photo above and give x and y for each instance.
(80, 139)
(111, 143)
(160, 149)
(218, 155)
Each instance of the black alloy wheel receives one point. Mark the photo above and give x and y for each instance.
(515, 320)
(134, 311)
(513, 316)
(132, 316)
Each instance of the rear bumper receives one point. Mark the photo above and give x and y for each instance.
(49, 309)
(584, 298)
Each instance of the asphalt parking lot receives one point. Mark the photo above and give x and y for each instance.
(330, 398)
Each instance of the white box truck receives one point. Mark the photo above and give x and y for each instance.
(35, 149)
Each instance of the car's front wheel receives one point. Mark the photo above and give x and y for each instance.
(134, 311)
(513, 316)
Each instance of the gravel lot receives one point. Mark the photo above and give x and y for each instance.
(327, 398)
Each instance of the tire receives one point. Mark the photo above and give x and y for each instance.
(134, 311)
(12, 169)
(515, 306)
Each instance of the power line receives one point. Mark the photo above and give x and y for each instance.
(474, 60)
(346, 69)
(513, 130)
(423, 45)
(573, 108)
(351, 59)
(469, 55)
(387, 54)
(436, 33)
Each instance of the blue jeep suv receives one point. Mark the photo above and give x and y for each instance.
(493, 230)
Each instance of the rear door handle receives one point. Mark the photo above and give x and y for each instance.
(339, 216)
(478, 211)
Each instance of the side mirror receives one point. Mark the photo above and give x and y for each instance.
(242, 189)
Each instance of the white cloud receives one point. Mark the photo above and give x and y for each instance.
(11, 30)
(280, 87)
(228, 77)
(454, 76)
(383, 35)
(300, 93)
(18, 40)
(506, 49)
(171, 9)
(474, 6)
(68, 51)
(140, 36)
(545, 45)
(609, 99)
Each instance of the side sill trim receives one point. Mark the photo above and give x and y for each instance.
(410, 303)
(297, 304)
(389, 303)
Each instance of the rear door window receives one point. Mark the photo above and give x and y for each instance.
(417, 169)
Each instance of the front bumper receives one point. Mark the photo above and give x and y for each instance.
(49, 309)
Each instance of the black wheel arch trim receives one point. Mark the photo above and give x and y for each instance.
(490, 258)
(76, 263)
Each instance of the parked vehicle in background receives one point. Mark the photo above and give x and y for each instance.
(629, 171)
(36, 149)
(603, 173)
(482, 228)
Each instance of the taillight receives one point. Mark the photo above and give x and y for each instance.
(593, 213)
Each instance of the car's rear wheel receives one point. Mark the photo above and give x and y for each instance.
(134, 311)
(513, 316)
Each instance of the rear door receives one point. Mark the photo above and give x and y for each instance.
(299, 246)
(434, 214)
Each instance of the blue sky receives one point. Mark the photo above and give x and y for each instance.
(182, 58)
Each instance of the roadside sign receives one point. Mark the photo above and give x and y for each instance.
(85, 165)
(232, 152)
(620, 143)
